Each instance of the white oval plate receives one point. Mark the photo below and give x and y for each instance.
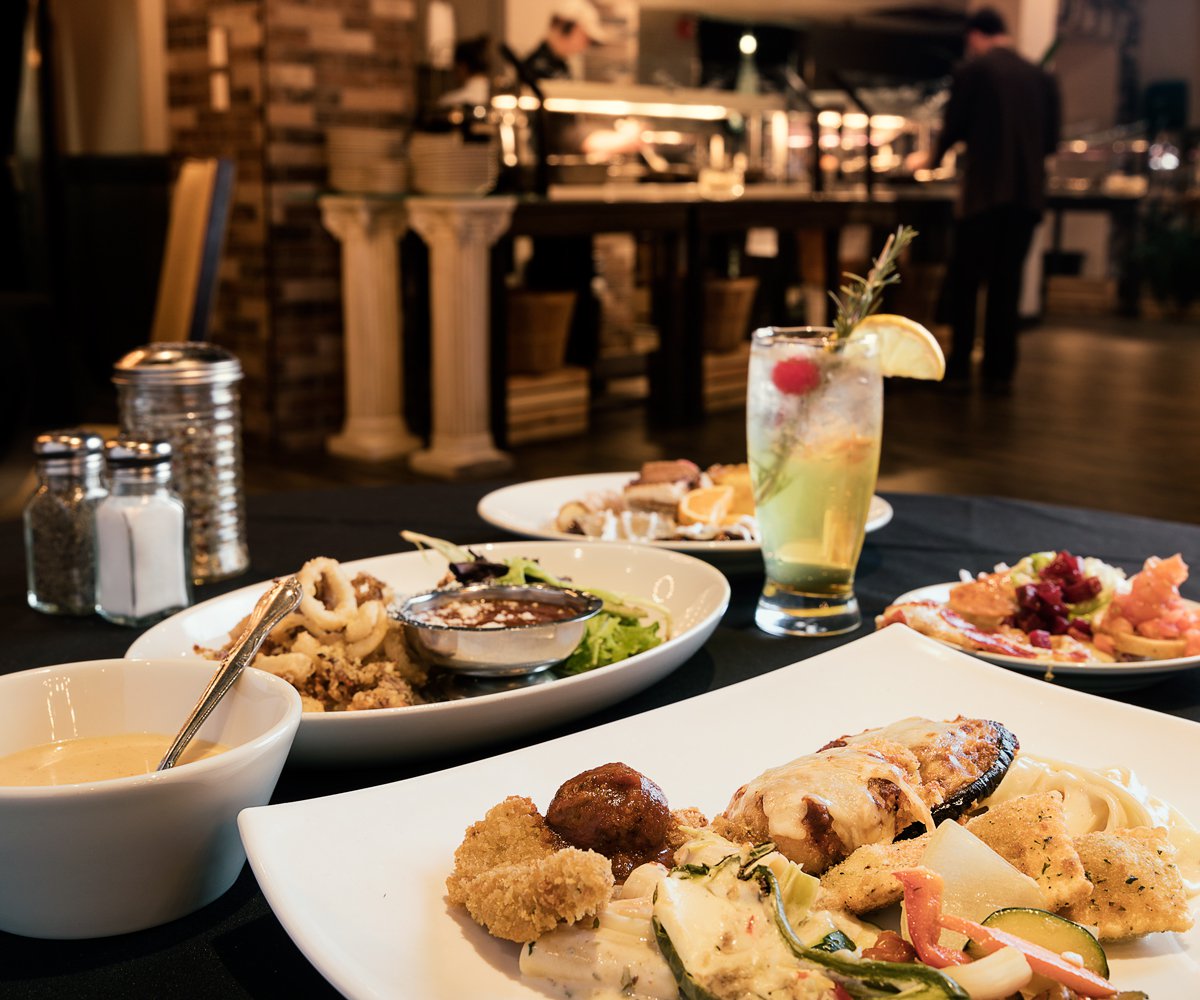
(695, 593)
(385, 929)
(530, 509)
(1110, 675)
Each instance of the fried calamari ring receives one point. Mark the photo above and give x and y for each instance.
(336, 602)
(367, 629)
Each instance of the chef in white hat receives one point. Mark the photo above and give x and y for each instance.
(574, 27)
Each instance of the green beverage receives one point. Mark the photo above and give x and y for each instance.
(813, 420)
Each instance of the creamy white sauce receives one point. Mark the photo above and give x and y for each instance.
(95, 758)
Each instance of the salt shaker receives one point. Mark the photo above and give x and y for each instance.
(188, 394)
(59, 522)
(143, 569)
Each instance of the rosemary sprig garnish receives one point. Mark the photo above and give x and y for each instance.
(861, 296)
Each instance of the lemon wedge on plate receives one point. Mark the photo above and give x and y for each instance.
(906, 348)
(706, 505)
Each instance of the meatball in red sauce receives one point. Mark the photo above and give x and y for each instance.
(615, 811)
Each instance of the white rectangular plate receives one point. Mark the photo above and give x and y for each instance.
(379, 926)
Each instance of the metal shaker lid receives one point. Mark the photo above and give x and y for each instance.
(129, 452)
(189, 363)
(74, 442)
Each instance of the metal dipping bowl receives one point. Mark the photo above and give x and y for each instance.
(498, 651)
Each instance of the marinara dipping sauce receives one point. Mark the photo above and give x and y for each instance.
(498, 630)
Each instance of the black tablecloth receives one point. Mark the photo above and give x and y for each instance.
(236, 948)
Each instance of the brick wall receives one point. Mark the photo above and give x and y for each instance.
(295, 68)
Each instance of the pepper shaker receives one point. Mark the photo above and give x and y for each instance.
(59, 522)
(188, 394)
(143, 569)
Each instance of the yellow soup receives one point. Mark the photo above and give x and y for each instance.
(96, 758)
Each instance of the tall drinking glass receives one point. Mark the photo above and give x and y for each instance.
(814, 418)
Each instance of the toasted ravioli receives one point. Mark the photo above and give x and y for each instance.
(864, 882)
(1031, 834)
(513, 878)
(1136, 887)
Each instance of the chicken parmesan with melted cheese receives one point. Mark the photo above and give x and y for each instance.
(870, 788)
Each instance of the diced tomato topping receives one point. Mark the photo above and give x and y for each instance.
(890, 947)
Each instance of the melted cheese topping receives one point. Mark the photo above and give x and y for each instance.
(947, 751)
(838, 779)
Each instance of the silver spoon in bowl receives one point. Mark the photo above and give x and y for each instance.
(283, 597)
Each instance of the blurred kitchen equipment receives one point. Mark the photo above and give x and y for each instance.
(189, 395)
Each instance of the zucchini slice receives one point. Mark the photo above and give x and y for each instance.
(1051, 931)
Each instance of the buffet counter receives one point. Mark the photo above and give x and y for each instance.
(676, 220)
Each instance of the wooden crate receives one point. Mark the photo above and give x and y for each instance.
(725, 379)
(549, 406)
(1069, 295)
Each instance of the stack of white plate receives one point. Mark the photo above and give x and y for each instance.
(366, 160)
(442, 163)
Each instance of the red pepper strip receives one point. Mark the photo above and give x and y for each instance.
(1042, 960)
(839, 991)
(923, 909)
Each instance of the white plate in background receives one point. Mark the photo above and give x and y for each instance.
(383, 928)
(695, 593)
(530, 509)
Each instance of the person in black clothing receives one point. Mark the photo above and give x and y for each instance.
(1006, 110)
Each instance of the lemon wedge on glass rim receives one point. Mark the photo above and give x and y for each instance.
(906, 348)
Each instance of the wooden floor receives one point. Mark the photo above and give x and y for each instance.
(1104, 413)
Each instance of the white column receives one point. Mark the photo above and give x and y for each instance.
(459, 233)
(368, 228)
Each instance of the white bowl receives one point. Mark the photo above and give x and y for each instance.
(107, 857)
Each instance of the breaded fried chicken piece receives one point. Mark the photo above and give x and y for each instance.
(864, 882)
(512, 877)
(1137, 887)
(1031, 834)
(511, 832)
(521, 902)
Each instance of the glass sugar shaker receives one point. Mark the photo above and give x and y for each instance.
(189, 395)
(143, 568)
(59, 522)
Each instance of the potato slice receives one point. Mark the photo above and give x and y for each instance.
(977, 880)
